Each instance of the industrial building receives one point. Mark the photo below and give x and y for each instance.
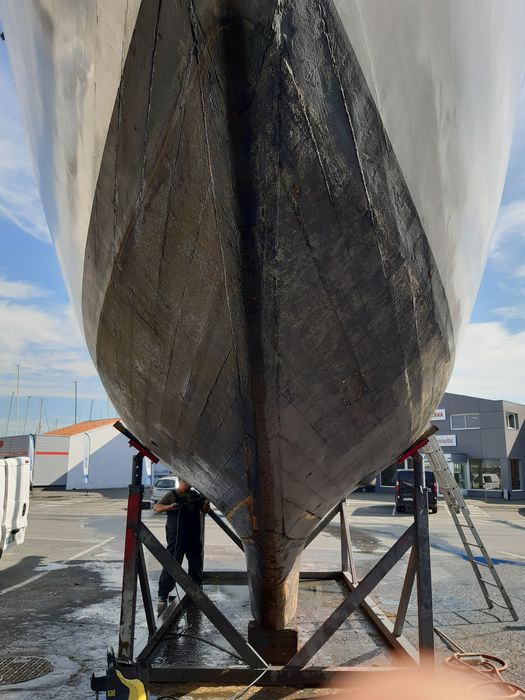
(86, 455)
(484, 442)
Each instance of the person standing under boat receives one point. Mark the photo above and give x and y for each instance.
(183, 507)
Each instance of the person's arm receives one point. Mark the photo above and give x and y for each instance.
(161, 508)
(166, 503)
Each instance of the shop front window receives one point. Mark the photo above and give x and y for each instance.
(459, 470)
(485, 474)
(515, 474)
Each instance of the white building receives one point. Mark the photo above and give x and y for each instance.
(65, 457)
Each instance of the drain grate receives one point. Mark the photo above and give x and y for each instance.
(18, 669)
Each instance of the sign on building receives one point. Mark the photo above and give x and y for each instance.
(439, 414)
(446, 440)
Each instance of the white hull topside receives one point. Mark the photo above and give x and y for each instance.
(445, 77)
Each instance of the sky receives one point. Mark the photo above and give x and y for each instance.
(39, 331)
(41, 335)
(490, 360)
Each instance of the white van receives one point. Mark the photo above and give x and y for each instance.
(491, 481)
(14, 500)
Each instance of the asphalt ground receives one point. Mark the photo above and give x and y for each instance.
(59, 591)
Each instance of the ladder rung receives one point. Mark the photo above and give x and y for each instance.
(500, 605)
(481, 563)
(472, 544)
(489, 583)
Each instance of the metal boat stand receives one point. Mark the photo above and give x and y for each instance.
(293, 671)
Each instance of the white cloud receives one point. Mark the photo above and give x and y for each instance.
(510, 224)
(519, 272)
(510, 313)
(19, 199)
(490, 363)
(48, 346)
(18, 289)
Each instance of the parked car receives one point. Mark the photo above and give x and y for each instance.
(405, 490)
(162, 485)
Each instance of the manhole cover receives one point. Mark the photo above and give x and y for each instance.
(18, 669)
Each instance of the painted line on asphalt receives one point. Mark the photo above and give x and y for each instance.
(456, 551)
(52, 539)
(511, 554)
(478, 515)
(64, 561)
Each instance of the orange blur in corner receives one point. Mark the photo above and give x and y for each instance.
(437, 683)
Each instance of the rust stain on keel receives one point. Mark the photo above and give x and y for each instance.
(245, 503)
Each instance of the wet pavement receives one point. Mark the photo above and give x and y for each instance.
(59, 592)
(191, 640)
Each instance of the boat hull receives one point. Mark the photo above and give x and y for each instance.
(273, 323)
(267, 221)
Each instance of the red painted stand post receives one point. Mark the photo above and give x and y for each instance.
(131, 563)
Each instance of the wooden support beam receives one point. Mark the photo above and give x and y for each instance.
(241, 577)
(322, 524)
(353, 600)
(347, 553)
(200, 599)
(424, 574)
(335, 677)
(345, 549)
(146, 591)
(234, 537)
(128, 601)
(166, 620)
(406, 592)
(385, 626)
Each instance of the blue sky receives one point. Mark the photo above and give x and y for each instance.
(490, 361)
(39, 330)
(40, 333)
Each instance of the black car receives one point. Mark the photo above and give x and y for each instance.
(405, 490)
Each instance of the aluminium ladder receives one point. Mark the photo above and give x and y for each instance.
(459, 509)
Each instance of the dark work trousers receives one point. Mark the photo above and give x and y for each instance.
(183, 545)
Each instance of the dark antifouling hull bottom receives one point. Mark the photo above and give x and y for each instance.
(259, 293)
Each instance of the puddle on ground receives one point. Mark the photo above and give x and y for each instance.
(53, 566)
(193, 641)
(362, 541)
(111, 580)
